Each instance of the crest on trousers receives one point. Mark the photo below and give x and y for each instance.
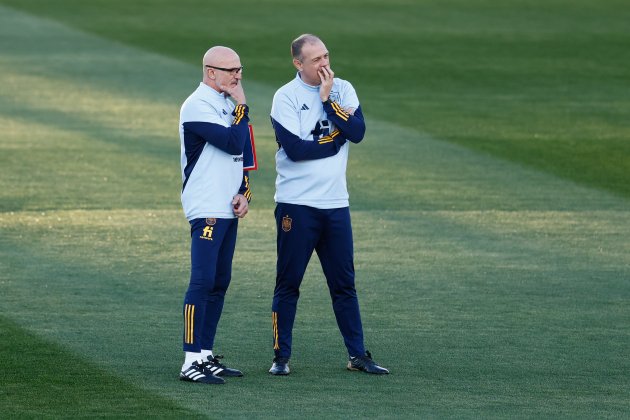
(286, 223)
(211, 221)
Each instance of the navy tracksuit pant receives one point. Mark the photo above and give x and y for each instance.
(211, 252)
(302, 229)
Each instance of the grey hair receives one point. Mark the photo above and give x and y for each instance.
(298, 43)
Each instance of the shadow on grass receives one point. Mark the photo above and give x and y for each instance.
(41, 379)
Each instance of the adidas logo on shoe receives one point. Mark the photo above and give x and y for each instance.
(197, 373)
(219, 369)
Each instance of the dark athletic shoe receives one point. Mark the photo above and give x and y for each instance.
(366, 364)
(280, 366)
(219, 369)
(197, 373)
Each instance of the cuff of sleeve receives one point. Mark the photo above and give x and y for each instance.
(247, 194)
(335, 108)
(245, 190)
(241, 111)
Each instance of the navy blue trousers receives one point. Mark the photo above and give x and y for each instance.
(302, 229)
(211, 252)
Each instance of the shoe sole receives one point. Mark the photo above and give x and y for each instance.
(353, 369)
(230, 375)
(279, 373)
(187, 379)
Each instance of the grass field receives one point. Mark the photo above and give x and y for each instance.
(491, 210)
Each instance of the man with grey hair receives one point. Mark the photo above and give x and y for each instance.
(314, 116)
(215, 194)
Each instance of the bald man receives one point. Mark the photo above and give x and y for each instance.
(215, 194)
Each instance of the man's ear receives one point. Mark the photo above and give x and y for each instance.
(298, 64)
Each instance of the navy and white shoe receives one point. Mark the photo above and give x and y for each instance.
(197, 373)
(280, 366)
(366, 364)
(219, 369)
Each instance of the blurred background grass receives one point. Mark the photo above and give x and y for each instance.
(525, 80)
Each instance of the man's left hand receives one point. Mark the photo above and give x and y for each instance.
(240, 205)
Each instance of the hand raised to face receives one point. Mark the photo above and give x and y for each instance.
(326, 77)
(235, 90)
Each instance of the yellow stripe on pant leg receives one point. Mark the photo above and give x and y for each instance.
(192, 324)
(186, 314)
(274, 317)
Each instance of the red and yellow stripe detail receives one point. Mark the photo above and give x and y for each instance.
(329, 138)
(189, 323)
(339, 111)
(239, 113)
(248, 192)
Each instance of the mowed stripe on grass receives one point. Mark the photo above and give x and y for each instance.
(500, 303)
(538, 83)
(41, 378)
(474, 305)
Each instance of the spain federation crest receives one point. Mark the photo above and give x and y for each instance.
(286, 223)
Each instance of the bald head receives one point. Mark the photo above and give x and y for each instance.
(217, 63)
(218, 56)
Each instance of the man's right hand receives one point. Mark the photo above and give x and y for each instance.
(326, 76)
(236, 92)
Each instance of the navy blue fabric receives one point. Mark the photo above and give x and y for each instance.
(244, 188)
(301, 230)
(353, 129)
(211, 270)
(298, 149)
(197, 133)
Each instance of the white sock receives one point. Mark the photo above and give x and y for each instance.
(206, 354)
(190, 357)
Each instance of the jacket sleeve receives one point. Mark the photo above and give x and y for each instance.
(228, 139)
(245, 190)
(298, 149)
(352, 127)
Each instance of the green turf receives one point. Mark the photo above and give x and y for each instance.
(41, 379)
(490, 288)
(542, 83)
